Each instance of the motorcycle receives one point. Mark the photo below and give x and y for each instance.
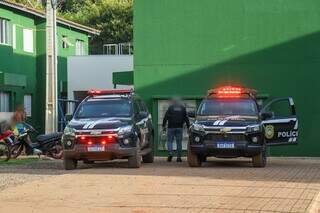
(46, 144)
(5, 141)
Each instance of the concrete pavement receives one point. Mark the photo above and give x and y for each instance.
(285, 185)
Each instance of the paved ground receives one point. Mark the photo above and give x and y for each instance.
(286, 185)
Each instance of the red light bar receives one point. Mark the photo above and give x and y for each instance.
(110, 92)
(231, 92)
(105, 139)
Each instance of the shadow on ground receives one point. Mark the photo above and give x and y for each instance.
(278, 169)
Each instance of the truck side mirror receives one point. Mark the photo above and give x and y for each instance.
(69, 118)
(266, 115)
(192, 114)
(142, 115)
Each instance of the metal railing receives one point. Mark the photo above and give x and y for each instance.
(118, 49)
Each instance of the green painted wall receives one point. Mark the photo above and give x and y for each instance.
(33, 65)
(185, 47)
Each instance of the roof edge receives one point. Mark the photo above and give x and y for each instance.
(41, 14)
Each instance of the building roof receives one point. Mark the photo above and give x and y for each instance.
(42, 14)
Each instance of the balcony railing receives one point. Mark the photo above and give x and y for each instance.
(118, 49)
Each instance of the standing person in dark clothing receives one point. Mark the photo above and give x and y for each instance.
(175, 116)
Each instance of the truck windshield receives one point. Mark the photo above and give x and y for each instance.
(225, 107)
(104, 109)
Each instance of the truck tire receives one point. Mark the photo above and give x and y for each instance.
(193, 159)
(203, 158)
(69, 163)
(134, 161)
(149, 158)
(260, 160)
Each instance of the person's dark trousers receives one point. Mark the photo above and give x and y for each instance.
(175, 133)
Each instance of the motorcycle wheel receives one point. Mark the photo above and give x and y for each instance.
(4, 152)
(16, 150)
(56, 151)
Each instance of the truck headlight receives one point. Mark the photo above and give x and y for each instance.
(254, 139)
(126, 141)
(125, 130)
(68, 131)
(254, 128)
(197, 139)
(197, 127)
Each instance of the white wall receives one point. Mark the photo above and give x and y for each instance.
(95, 71)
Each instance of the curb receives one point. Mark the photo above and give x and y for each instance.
(315, 205)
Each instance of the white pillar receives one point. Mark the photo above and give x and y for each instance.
(51, 122)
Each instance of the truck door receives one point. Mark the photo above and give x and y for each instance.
(280, 122)
(143, 118)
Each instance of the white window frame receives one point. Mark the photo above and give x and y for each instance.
(28, 40)
(14, 36)
(4, 102)
(5, 34)
(27, 103)
(80, 47)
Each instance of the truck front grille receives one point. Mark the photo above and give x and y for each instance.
(225, 137)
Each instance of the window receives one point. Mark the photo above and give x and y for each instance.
(4, 102)
(4, 31)
(27, 102)
(104, 109)
(142, 106)
(65, 42)
(14, 36)
(28, 40)
(79, 47)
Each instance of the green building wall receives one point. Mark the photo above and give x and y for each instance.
(33, 65)
(185, 47)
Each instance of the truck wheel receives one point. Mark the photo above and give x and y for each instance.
(69, 163)
(149, 158)
(135, 160)
(260, 160)
(193, 159)
(203, 158)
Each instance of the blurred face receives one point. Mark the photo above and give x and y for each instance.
(175, 101)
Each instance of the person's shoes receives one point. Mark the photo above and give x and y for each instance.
(179, 160)
(169, 159)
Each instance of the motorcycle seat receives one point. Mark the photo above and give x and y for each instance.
(47, 137)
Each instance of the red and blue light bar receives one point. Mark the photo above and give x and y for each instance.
(110, 92)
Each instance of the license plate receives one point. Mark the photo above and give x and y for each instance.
(225, 145)
(96, 148)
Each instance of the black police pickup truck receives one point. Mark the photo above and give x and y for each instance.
(229, 123)
(109, 124)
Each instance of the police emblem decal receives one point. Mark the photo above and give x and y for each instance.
(269, 131)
